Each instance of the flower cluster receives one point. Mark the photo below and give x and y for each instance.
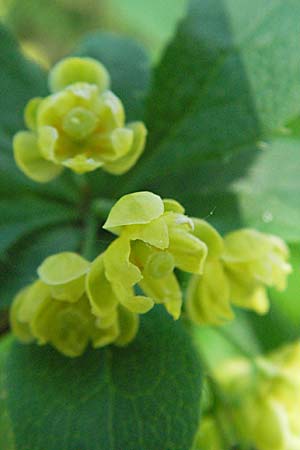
(75, 301)
(238, 270)
(81, 125)
(56, 309)
(262, 403)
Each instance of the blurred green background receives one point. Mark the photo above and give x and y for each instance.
(149, 21)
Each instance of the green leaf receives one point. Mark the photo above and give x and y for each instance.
(19, 268)
(143, 397)
(20, 216)
(6, 435)
(222, 98)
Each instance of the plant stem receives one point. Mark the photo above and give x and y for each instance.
(90, 236)
(101, 207)
(229, 338)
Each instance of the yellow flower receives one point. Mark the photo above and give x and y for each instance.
(154, 237)
(81, 125)
(238, 270)
(208, 295)
(264, 403)
(252, 261)
(56, 310)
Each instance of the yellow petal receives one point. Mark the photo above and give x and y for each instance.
(54, 108)
(108, 320)
(72, 70)
(136, 208)
(111, 112)
(31, 110)
(20, 328)
(208, 296)
(118, 268)
(125, 163)
(173, 206)
(101, 296)
(154, 233)
(70, 331)
(118, 144)
(208, 234)
(30, 160)
(189, 252)
(82, 164)
(105, 336)
(159, 264)
(245, 245)
(65, 274)
(138, 303)
(47, 140)
(129, 324)
(164, 290)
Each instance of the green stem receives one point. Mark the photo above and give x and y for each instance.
(229, 338)
(90, 236)
(101, 207)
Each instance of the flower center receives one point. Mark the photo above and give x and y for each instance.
(79, 123)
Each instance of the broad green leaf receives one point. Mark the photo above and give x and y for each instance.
(143, 397)
(221, 100)
(20, 216)
(19, 268)
(6, 435)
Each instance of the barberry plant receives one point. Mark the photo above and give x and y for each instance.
(149, 239)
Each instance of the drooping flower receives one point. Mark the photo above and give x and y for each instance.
(56, 310)
(80, 125)
(208, 295)
(154, 237)
(238, 270)
(252, 261)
